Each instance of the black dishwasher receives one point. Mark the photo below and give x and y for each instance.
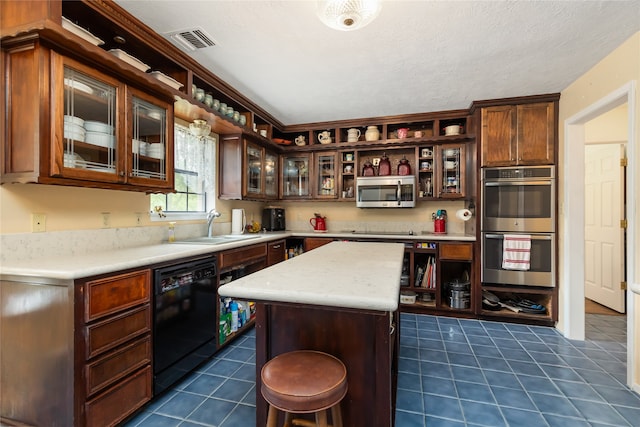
(184, 318)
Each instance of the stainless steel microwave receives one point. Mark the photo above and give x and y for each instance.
(393, 191)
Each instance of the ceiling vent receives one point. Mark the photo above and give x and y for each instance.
(192, 39)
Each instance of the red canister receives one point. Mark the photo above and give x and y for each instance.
(439, 225)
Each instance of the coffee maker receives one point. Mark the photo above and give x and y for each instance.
(273, 219)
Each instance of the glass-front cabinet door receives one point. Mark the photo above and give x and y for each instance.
(90, 126)
(106, 131)
(270, 175)
(295, 176)
(452, 173)
(325, 176)
(253, 170)
(148, 140)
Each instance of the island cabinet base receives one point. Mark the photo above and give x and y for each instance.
(366, 341)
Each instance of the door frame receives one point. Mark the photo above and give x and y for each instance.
(572, 279)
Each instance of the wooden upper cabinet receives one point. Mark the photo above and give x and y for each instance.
(518, 134)
(498, 135)
(246, 170)
(536, 131)
(71, 124)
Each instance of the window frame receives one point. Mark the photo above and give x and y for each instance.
(209, 193)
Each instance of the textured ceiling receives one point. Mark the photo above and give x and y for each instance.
(416, 56)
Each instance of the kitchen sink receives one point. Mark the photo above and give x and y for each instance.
(218, 240)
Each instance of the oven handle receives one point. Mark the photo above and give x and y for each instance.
(513, 183)
(501, 236)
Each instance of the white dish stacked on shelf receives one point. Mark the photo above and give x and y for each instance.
(100, 134)
(74, 128)
(156, 151)
(81, 32)
(131, 60)
(73, 160)
(166, 79)
(78, 86)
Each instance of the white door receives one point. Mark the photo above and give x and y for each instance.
(604, 238)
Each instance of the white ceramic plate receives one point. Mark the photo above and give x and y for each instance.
(76, 136)
(100, 139)
(74, 120)
(78, 86)
(100, 127)
(119, 53)
(166, 79)
(71, 127)
(73, 160)
(81, 32)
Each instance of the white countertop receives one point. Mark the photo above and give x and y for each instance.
(85, 264)
(360, 275)
(69, 267)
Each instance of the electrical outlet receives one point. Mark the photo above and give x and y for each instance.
(38, 222)
(376, 161)
(106, 219)
(138, 219)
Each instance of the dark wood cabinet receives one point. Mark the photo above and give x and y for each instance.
(70, 124)
(247, 170)
(432, 268)
(233, 264)
(276, 252)
(521, 134)
(315, 242)
(113, 347)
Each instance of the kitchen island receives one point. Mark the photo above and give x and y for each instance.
(342, 299)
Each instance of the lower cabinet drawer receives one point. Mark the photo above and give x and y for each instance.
(242, 255)
(112, 294)
(110, 333)
(117, 403)
(116, 365)
(456, 251)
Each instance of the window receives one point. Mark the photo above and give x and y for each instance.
(194, 169)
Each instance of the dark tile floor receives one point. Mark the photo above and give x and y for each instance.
(452, 372)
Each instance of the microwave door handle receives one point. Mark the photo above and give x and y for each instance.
(399, 192)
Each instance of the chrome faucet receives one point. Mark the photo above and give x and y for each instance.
(211, 215)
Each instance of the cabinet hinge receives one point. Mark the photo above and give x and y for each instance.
(623, 223)
(623, 286)
(623, 162)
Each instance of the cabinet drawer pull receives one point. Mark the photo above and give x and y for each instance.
(276, 246)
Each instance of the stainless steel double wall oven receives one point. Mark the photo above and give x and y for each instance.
(519, 201)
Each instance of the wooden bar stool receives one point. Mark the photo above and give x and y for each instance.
(304, 382)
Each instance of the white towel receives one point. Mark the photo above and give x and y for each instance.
(516, 252)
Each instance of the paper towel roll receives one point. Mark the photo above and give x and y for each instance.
(463, 214)
(238, 221)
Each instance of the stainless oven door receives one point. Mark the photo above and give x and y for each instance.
(542, 268)
(518, 206)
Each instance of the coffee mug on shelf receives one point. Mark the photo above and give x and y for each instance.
(426, 152)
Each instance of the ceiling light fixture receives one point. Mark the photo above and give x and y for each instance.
(200, 128)
(348, 15)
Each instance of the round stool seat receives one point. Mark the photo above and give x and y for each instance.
(304, 381)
